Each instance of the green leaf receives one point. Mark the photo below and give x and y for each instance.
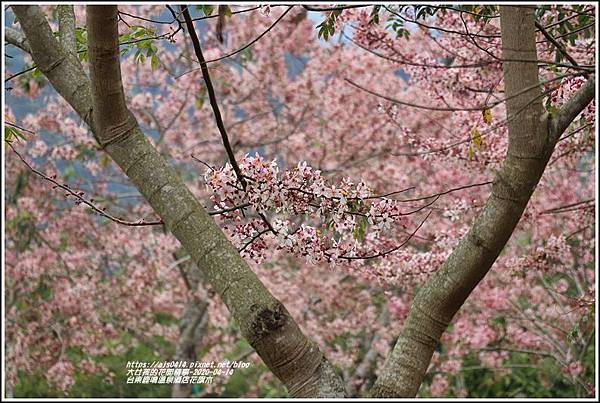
(487, 115)
(154, 62)
(471, 152)
(20, 134)
(476, 138)
(375, 14)
(206, 9)
(36, 73)
(104, 160)
(200, 98)
(246, 55)
(225, 11)
(360, 229)
(10, 132)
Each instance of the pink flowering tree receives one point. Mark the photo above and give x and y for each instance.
(382, 205)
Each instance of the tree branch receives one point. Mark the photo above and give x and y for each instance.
(16, 38)
(211, 95)
(66, 27)
(263, 320)
(78, 195)
(203, 63)
(557, 45)
(529, 150)
(573, 107)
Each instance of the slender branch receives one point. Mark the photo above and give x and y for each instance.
(385, 253)
(456, 109)
(137, 17)
(568, 207)
(80, 198)
(516, 350)
(575, 31)
(383, 195)
(557, 45)
(20, 73)
(494, 59)
(337, 8)
(20, 127)
(206, 17)
(230, 209)
(566, 136)
(415, 64)
(491, 16)
(448, 191)
(436, 28)
(254, 238)
(203, 63)
(211, 94)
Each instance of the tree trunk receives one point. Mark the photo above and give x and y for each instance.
(532, 136)
(264, 321)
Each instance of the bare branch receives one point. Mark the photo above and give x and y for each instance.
(385, 253)
(557, 45)
(254, 238)
(211, 95)
(337, 8)
(203, 63)
(573, 107)
(79, 196)
(16, 38)
(457, 109)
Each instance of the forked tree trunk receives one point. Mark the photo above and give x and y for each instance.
(263, 320)
(532, 135)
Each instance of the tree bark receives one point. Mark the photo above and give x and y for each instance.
(66, 27)
(192, 328)
(532, 136)
(264, 321)
(16, 38)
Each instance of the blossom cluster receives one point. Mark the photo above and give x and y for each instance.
(344, 210)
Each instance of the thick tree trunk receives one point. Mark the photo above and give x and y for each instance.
(532, 137)
(263, 320)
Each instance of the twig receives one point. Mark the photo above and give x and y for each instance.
(557, 45)
(381, 254)
(202, 162)
(211, 94)
(254, 238)
(81, 199)
(230, 209)
(447, 191)
(203, 63)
